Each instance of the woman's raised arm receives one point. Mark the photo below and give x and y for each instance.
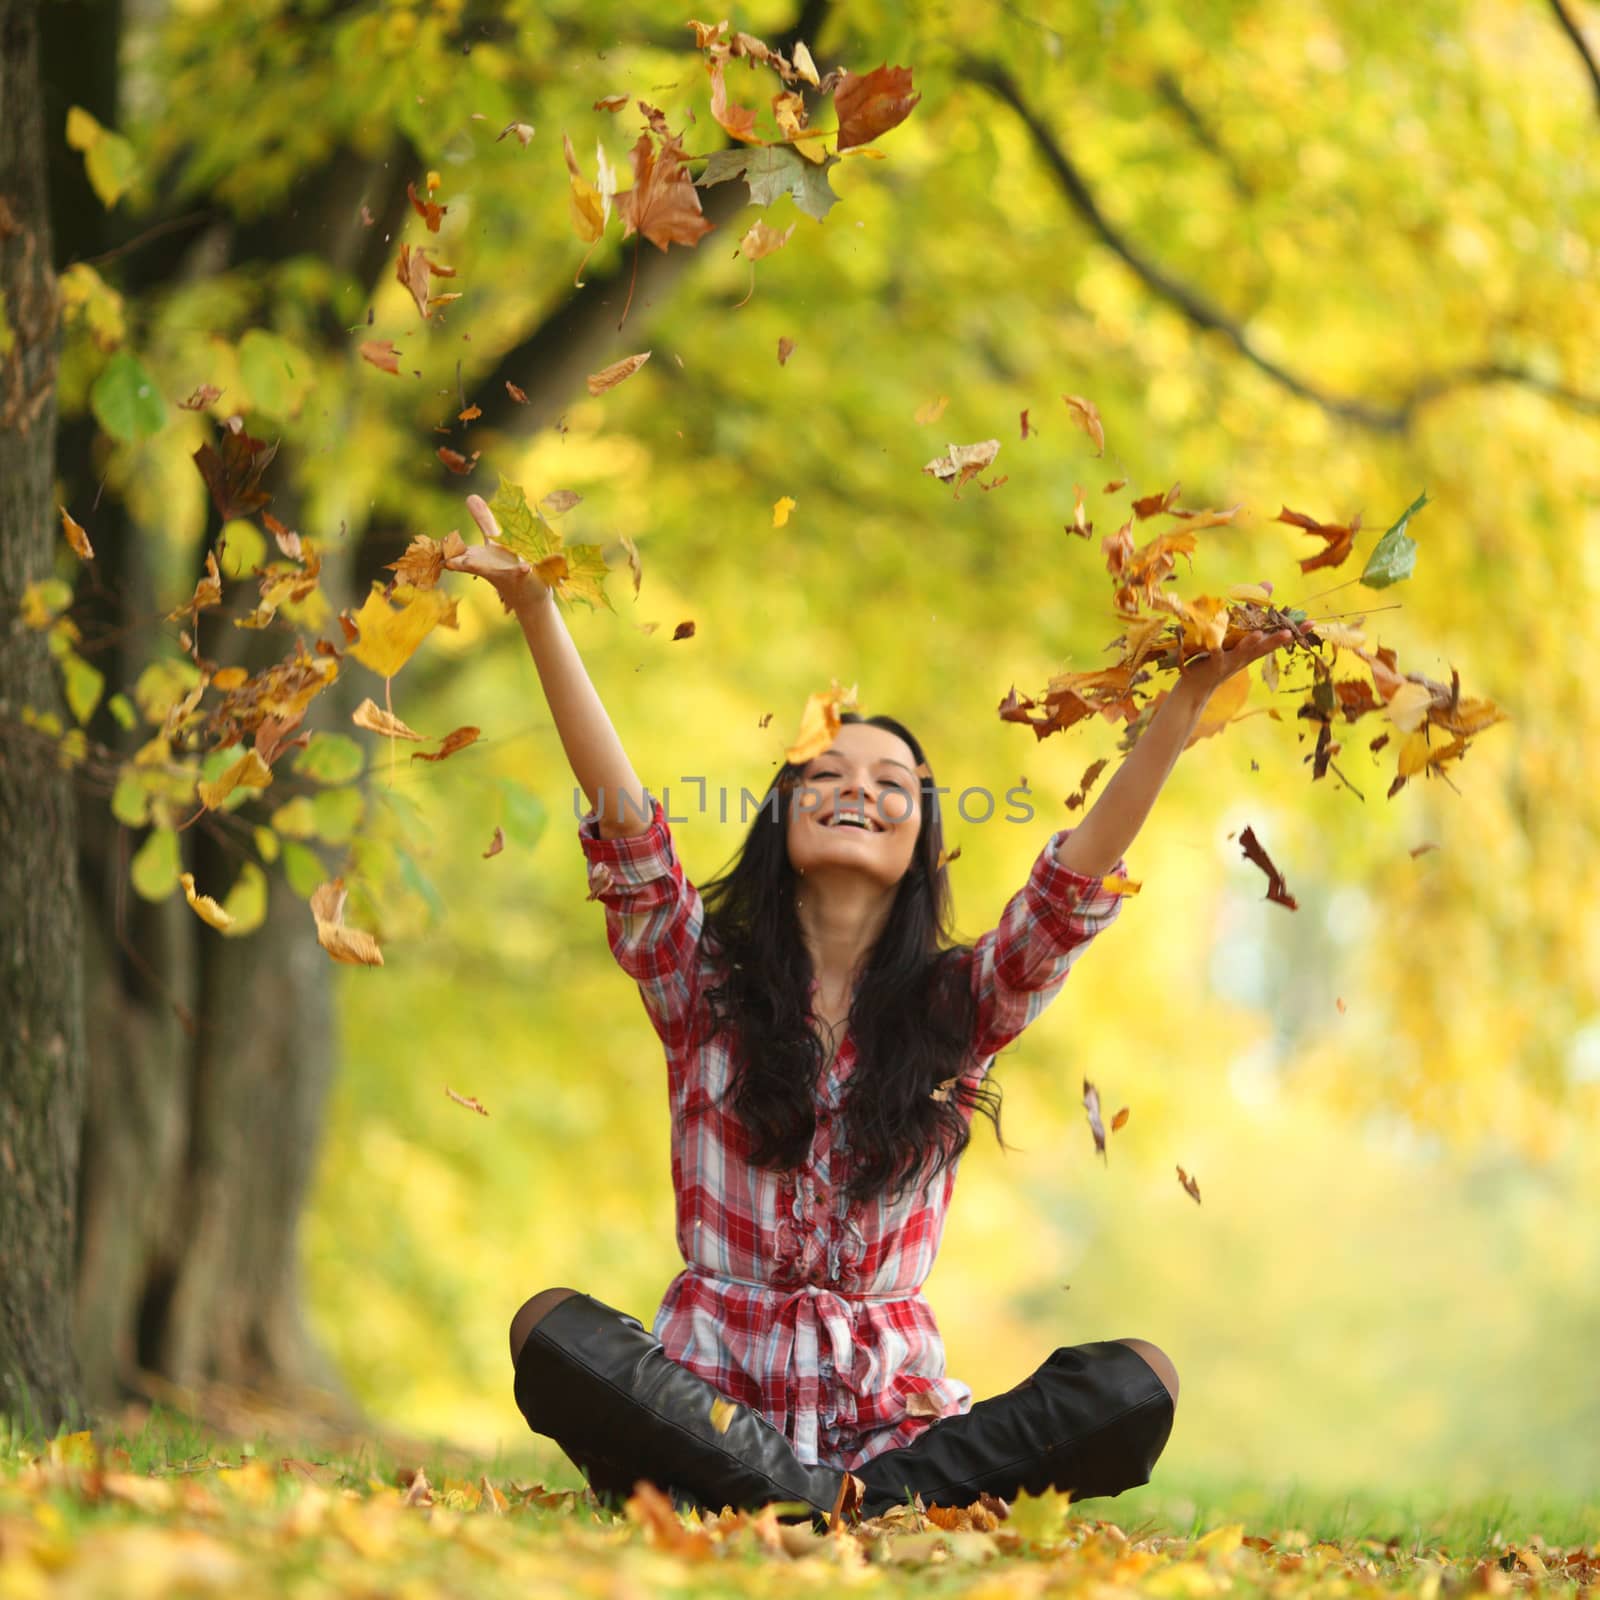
(594, 752)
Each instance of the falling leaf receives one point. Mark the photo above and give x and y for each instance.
(1118, 1120)
(520, 396)
(250, 771)
(1154, 504)
(761, 240)
(523, 131)
(471, 414)
(467, 1101)
(234, 475)
(459, 464)
(1276, 889)
(76, 537)
(423, 564)
(203, 905)
(1339, 1003)
(1114, 883)
(945, 1090)
(382, 354)
(451, 743)
(1395, 555)
(1338, 536)
(200, 398)
(946, 857)
(772, 171)
(430, 212)
(1081, 525)
(780, 511)
(684, 630)
(1114, 485)
(820, 722)
(1086, 416)
(722, 1414)
(964, 461)
(600, 880)
(388, 636)
(1024, 421)
(1422, 849)
(375, 719)
(804, 65)
(349, 945)
(785, 350)
(609, 377)
(930, 411)
(1190, 1185)
(611, 102)
(872, 103)
(663, 204)
(496, 844)
(560, 501)
(738, 122)
(1091, 1104)
(922, 1404)
(287, 540)
(411, 269)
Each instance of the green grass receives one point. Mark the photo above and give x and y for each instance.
(170, 1507)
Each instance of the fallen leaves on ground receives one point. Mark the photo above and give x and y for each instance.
(81, 1515)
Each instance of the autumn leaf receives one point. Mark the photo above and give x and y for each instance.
(780, 511)
(662, 204)
(1152, 505)
(1277, 891)
(452, 742)
(946, 857)
(76, 537)
(785, 350)
(589, 209)
(930, 411)
(872, 103)
(349, 945)
(459, 464)
(286, 539)
(609, 377)
(520, 396)
(233, 474)
(761, 240)
(1091, 1105)
(429, 210)
(1395, 555)
(411, 269)
(1339, 537)
(722, 1414)
(389, 636)
(684, 630)
(468, 1101)
(250, 771)
(1118, 1120)
(423, 564)
(1114, 883)
(611, 102)
(1191, 1187)
(200, 398)
(523, 131)
(771, 171)
(804, 66)
(203, 906)
(1085, 415)
(382, 354)
(820, 722)
(963, 461)
(738, 122)
(375, 719)
(496, 844)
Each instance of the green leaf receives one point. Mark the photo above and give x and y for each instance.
(108, 159)
(522, 530)
(586, 576)
(296, 819)
(84, 685)
(1395, 555)
(330, 758)
(130, 800)
(122, 712)
(162, 685)
(276, 373)
(156, 865)
(247, 901)
(242, 547)
(525, 816)
(770, 171)
(267, 844)
(126, 401)
(303, 869)
(338, 813)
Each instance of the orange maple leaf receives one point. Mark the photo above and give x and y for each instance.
(663, 203)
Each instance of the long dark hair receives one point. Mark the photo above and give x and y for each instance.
(912, 1016)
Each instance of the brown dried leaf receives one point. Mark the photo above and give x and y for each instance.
(496, 844)
(467, 1101)
(459, 739)
(785, 350)
(1086, 416)
(684, 630)
(872, 103)
(609, 377)
(200, 398)
(355, 948)
(1091, 1104)
(382, 354)
(1190, 1185)
(375, 719)
(76, 537)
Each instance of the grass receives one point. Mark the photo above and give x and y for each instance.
(168, 1507)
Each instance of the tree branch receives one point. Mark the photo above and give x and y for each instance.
(1394, 418)
(1580, 44)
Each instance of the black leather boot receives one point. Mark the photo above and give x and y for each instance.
(599, 1383)
(1091, 1421)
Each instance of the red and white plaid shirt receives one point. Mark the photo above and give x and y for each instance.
(795, 1301)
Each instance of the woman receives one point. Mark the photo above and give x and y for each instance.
(826, 1053)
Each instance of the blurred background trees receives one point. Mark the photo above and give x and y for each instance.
(1324, 258)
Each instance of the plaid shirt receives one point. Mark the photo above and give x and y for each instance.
(795, 1301)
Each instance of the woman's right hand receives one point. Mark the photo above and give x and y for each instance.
(517, 584)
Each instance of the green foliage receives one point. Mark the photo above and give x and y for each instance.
(1395, 555)
(126, 400)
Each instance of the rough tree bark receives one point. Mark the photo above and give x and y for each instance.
(41, 1041)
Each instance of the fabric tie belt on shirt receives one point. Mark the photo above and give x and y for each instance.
(805, 1315)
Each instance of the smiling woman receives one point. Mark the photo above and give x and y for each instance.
(827, 1047)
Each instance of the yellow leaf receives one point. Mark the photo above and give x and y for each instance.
(1414, 753)
(1221, 1541)
(230, 678)
(722, 1414)
(1114, 884)
(931, 411)
(76, 537)
(373, 717)
(349, 945)
(203, 905)
(781, 510)
(819, 722)
(249, 770)
(390, 637)
(1224, 705)
(1408, 706)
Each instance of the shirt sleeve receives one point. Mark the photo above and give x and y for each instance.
(653, 920)
(1020, 965)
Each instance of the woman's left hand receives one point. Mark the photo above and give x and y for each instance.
(1203, 675)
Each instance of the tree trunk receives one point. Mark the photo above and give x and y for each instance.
(41, 1040)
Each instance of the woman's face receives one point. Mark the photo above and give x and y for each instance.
(858, 806)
